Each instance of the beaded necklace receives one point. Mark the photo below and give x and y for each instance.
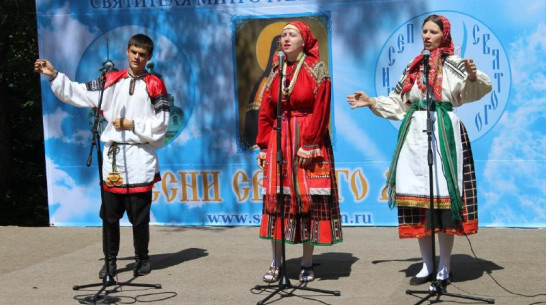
(287, 90)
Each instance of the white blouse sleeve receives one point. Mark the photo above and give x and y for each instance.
(457, 88)
(73, 93)
(392, 107)
(152, 130)
(475, 90)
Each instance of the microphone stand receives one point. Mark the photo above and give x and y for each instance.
(436, 288)
(284, 282)
(108, 280)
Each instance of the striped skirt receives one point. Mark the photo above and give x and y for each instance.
(317, 222)
(320, 226)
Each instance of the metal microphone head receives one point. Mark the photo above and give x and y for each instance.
(426, 53)
(280, 54)
(107, 66)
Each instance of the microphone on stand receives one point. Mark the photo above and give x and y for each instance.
(107, 66)
(280, 55)
(426, 56)
(110, 65)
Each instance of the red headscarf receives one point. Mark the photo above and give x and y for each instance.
(435, 64)
(310, 43)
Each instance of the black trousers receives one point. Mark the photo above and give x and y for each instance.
(137, 207)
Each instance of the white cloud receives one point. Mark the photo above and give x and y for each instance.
(515, 167)
(53, 41)
(75, 202)
(190, 132)
(53, 128)
(52, 124)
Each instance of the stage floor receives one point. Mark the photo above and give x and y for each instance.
(221, 265)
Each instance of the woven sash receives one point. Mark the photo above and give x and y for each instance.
(447, 151)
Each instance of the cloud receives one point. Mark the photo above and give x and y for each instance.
(190, 132)
(53, 128)
(52, 39)
(78, 203)
(514, 171)
(53, 122)
(75, 202)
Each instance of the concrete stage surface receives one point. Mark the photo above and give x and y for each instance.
(221, 265)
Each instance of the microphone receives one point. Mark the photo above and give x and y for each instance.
(426, 55)
(107, 66)
(280, 55)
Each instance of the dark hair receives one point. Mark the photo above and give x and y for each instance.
(142, 41)
(436, 19)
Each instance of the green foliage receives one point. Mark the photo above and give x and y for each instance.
(23, 195)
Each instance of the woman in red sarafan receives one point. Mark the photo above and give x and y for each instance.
(310, 206)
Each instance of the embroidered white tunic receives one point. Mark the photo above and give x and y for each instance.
(147, 107)
(412, 175)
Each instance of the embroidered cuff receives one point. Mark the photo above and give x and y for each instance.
(54, 76)
(310, 153)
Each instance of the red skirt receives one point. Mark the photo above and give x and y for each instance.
(320, 226)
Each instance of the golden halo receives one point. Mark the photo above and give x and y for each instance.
(263, 43)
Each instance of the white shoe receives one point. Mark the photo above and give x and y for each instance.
(307, 274)
(272, 275)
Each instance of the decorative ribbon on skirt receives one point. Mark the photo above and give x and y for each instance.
(299, 183)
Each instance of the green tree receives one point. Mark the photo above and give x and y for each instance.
(23, 197)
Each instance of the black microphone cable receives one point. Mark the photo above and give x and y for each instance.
(476, 256)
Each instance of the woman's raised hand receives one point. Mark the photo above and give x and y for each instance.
(471, 69)
(360, 99)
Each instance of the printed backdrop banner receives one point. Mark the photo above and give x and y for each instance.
(215, 56)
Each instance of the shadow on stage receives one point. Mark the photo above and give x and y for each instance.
(464, 267)
(328, 266)
(166, 260)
